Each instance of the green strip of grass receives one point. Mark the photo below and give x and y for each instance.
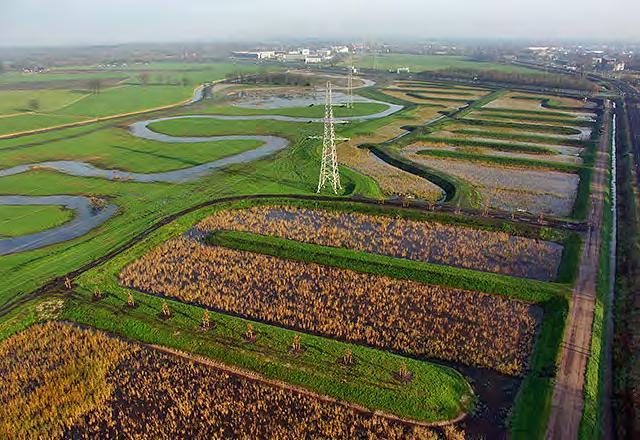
(439, 99)
(503, 160)
(525, 112)
(435, 393)
(426, 273)
(514, 116)
(521, 126)
(500, 146)
(533, 138)
(444, 91)
(537, 388)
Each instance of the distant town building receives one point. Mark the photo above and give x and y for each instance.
(403, 70)
(256, 55)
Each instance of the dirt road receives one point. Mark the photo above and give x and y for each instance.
(568, 400)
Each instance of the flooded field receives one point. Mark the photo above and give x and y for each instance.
(432, 242)
(535, 191)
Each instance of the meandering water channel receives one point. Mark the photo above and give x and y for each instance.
(87, 218)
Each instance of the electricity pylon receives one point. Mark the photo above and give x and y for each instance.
(329, 165)
(350, 87)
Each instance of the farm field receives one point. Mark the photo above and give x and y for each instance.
(130, 388)
(368, 313)
(469, 248)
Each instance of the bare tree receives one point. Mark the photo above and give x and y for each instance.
(95, 85)
(34, 104)
(144, 78)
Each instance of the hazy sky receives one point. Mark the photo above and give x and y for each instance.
(60, 22)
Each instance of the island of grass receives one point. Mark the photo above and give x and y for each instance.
(22, 220)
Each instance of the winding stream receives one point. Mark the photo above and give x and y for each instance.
(87, 218)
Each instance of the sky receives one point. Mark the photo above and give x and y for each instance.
(84, 22)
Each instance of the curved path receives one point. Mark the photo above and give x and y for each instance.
(86, 218)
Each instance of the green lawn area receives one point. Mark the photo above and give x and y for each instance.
(420, 63)
(128, 99)
(23, 220)
(116, 148)
(15, 101)
(14, 124)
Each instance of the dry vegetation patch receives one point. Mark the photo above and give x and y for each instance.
(60, 381)
(469, 327)
(432, 242)
(392, 181)
(535, 191)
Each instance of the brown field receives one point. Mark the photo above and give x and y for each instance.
(392, 181)
(535, 191)
(439, 95)
(432, 242)
(508, 101)
(472, 328)
(60, 381)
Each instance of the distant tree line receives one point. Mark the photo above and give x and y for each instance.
(546, 80)
(145, 79)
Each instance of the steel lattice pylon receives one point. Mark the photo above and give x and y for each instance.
(350, 88)
(329, 166)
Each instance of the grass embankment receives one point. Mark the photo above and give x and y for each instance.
(22, 220)
(528, 290)
(524, 137)
(568, 131)
(370, 383)
(419, 63)
(548, 120)
(500, 146)
(543, 113)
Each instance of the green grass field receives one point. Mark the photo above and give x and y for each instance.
(22, 220)
(18, 101)
(420, 63)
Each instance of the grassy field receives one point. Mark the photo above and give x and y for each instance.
(19, 101)
(419, 63)
(22, 220)
(64, 95)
